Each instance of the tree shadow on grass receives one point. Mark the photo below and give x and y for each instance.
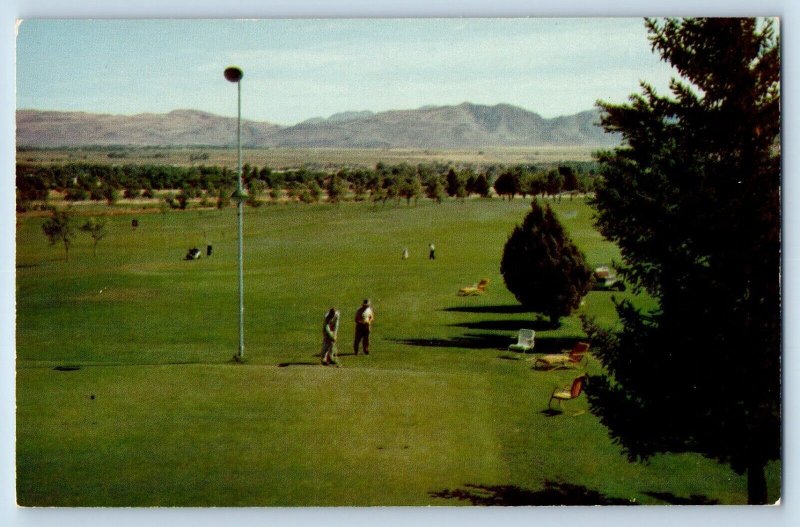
(694, 499)
(508, 325)
(469, 341)
(553, 493)
(490, 341)
(516, 308)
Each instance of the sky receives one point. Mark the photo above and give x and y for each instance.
(295, 69)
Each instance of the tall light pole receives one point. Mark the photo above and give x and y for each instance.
(234, 74)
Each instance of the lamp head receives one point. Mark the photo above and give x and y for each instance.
(233, 74)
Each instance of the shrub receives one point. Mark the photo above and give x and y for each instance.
(542, 267)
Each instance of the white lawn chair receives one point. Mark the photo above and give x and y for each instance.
(524, 341)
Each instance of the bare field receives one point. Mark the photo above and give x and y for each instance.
(278, 158)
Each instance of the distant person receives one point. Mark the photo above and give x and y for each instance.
(405, 253)
(364, 318)
(134, 223)
(329, 329)
(209, 250)
(432, 253)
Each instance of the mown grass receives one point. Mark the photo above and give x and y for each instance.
(439, 413)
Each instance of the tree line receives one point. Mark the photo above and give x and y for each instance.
(111, 183)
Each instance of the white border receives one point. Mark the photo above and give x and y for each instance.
(785, 515)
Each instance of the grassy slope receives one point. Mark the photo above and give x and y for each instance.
(438, 405)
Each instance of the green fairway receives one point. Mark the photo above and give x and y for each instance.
(127, 394)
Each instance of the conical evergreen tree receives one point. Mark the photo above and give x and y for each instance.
(542, 267)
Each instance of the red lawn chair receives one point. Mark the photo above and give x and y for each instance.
(567, 393)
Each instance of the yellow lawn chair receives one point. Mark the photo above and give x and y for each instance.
(477, 289)
(563, 360)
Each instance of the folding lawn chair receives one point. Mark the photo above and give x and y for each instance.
(563, 360)
(474, 290)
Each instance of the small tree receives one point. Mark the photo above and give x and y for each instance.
(535, 184)
(570, 178)
(256, 188)
(275, 191)
(434, 188)
(541, 266)
(96, 229)
(481, 186)
(183, 199)
(411, 188)
(110, 194)
(57, 228)
(454, 182)
(132, 193)
(76, 194)
(336, 189)
(314, 191)
(554, 182)
(507, 184)
(223, 197)
(380, 194)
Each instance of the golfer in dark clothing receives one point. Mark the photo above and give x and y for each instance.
(364, 318)
(432, 253)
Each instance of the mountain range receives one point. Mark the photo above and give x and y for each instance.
(440, 127)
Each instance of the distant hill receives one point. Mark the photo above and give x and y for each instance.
(176, 128)
(441, 127)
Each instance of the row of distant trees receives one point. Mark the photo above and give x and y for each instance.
(111, 183)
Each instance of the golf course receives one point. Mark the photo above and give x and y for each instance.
(128, 394)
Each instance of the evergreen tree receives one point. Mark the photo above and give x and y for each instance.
(692, 198)
(570, 178)
(481, 186)
(454, 182)
(542, 267)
